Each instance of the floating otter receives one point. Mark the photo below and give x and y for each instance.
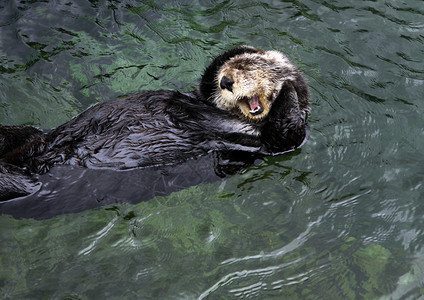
(248, 100)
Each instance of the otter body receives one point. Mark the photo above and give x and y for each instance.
(248, 100)
(147, 129)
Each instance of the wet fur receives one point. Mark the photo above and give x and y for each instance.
(166, 127)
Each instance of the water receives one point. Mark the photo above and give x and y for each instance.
(341, 218)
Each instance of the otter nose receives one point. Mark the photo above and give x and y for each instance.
(226, 83)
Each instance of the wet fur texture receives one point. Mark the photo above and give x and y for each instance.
(168, 127)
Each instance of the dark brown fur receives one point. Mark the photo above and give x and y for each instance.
(156, 128)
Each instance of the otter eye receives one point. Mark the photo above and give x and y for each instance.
(226, 83)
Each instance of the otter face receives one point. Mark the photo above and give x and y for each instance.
(247, 84)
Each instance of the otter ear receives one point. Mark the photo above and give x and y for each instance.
(208, 83)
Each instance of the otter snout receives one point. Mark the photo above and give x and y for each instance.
(226, 83)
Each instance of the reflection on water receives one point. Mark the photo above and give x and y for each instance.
(339, 218)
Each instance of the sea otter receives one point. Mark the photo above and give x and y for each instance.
(248, 100)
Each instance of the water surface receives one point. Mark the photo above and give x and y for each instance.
(340, 218)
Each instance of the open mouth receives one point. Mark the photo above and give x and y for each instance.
(255, 107)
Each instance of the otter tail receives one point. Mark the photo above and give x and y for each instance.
(13, 137)
(15, 178)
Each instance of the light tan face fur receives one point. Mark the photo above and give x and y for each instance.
(255, 75)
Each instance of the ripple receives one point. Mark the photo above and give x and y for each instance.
(239, 275)
(98, 237)
(9, 14)
(340, 218)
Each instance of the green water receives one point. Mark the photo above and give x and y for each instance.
(341, 218)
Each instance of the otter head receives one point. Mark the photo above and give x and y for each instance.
(246, 81)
